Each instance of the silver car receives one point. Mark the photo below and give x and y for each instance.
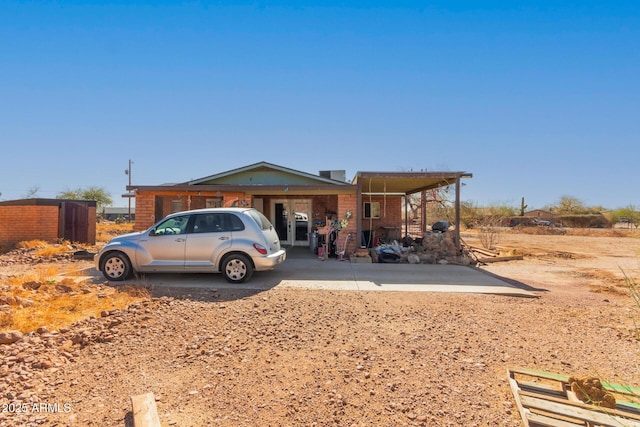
(234, 241)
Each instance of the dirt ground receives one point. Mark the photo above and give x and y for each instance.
(291, 357)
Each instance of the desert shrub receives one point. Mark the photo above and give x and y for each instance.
(634, 290)
(489, 230)
(585, 221)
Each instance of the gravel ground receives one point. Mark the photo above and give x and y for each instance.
(292, 357)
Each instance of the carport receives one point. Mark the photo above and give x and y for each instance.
(406, 184)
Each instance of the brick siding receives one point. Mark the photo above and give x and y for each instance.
(23, 223)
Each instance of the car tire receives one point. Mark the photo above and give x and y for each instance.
(116, 266)
(237, 268)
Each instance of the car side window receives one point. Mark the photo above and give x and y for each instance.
(208, 223)
(175, 225)
(234, 223)
(217, 222)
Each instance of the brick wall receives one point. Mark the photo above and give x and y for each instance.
(145, 207)
(348, 203)
(22, 223)
(390, 216)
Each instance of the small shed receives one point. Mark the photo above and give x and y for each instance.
(50, 220)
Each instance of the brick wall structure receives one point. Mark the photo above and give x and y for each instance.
(389, 225)
(40, 219)
(23, 223)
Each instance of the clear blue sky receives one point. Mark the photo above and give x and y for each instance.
(536, 98)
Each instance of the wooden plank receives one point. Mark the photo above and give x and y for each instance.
(540, 388)
(145, 413)
(544, 420)
(501, 258)
(484, 251)
(616, 388)
(516, 395)
(542, 404)
(609, 418)
(578, 403)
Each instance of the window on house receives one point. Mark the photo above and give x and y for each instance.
(176, 206)
(371, 209)
(214, 203)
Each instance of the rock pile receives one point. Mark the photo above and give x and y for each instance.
(31, 362)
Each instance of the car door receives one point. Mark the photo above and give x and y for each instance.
(210, 237)
(163, 248)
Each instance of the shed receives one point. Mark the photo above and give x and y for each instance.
(50, 220)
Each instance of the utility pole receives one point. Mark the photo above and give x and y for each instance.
(128, 195)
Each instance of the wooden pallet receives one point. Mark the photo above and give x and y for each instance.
(545, 399)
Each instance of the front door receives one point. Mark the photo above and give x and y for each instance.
(292, 220)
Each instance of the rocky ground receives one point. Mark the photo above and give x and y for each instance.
(291, 357)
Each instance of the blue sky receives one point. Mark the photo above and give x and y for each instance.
(536, 99)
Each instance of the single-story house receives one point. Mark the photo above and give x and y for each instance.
(300, 203)
(50, 220)
(540, 214)
(111, 213)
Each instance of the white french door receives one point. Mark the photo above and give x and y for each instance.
(292, 220)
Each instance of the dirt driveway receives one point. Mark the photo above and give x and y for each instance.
(291, 357)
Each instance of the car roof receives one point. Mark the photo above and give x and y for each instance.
(211, 210)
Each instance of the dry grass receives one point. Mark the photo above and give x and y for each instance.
(587, 232)
(47, 296)
(106, 230)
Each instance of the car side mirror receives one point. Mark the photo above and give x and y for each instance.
(152, 232)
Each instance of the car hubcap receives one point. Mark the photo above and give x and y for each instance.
(114, 267)
(236, 269)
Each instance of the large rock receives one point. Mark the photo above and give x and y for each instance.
(10, 337)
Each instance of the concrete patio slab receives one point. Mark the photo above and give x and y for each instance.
(302, 270)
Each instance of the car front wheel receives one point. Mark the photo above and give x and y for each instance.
(116, 266)
(237, 268)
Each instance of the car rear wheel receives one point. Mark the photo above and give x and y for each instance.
(237, 268)
(116, 266)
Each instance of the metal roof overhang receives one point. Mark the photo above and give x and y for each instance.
(255, 190)
(405, 183)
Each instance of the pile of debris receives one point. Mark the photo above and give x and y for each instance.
(433, 248)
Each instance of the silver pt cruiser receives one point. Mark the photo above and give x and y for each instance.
(233, 241)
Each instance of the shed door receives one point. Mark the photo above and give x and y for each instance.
(74, 219)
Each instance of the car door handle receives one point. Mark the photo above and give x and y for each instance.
(181, 240)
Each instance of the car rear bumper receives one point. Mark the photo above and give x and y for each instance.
(270, 261)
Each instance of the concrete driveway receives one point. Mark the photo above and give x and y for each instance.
(304, 270)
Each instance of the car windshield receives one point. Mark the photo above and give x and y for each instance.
(260, 219)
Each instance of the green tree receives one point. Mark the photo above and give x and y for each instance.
(100, 195)
(629, 214)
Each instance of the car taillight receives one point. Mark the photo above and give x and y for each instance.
(260, 248)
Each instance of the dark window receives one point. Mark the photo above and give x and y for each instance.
(217, 222)
(372, 210)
